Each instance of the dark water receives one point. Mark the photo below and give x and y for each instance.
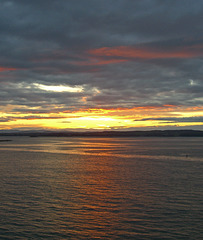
(101, 188)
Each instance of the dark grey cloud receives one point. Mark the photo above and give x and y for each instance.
(28, 117)
(175, 119)
(49, 42)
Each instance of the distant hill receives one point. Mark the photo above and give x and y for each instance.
(153, 133)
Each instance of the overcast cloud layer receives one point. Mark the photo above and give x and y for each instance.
(107, 53)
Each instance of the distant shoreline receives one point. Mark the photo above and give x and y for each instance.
(152, 133)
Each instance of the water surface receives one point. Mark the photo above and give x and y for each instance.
(101, 188)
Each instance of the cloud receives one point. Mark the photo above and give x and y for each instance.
(130, 53)
(59, 88)
(29, 117)
(175, 119)
(3, 69)
(54, 54)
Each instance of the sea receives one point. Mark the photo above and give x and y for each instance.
(101, 188)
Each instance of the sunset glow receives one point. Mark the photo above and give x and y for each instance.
(135, 118)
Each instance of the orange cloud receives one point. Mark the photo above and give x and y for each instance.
(128, 52)
(3, 69)
(97, 62)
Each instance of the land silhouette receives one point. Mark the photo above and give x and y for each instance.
(152, 133)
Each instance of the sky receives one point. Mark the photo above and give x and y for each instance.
(101, 64)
